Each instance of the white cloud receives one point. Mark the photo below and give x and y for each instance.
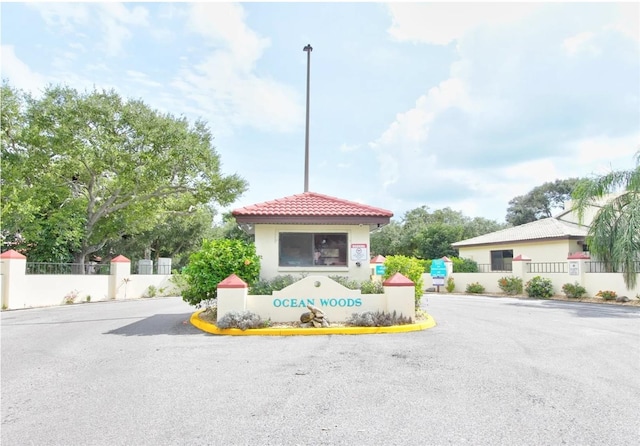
(62, 16)
(515, 112)
(115, 20)
(627, 20)
(442, 23)
(344, 147)
(142, 78)
(224, 83)
(19, 73)
(581, 42)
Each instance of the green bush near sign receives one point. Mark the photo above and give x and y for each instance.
(215, 261)
(411, 268)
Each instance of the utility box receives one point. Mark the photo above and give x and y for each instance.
(145, 266)
(164, 265)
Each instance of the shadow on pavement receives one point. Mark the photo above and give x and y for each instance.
(582, 309)
(159, 324)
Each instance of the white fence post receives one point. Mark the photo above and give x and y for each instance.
(120, 277)
(14, 272)
(232, 295)
(399, 294)
(519, 268)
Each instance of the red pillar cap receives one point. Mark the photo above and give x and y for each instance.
(120, 259)
(233, 281)
(398, 280)
(579, 255)
(521, 258)
(378, 259)
(12, 254)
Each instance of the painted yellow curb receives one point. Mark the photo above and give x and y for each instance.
(211, 328)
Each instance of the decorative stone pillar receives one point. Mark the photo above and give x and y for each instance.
(577, 266)
(519, 268)
(14, 276)
(232, 295)
(400, 295)
(119, 278)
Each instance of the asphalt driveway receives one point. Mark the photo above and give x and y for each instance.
(492, 372)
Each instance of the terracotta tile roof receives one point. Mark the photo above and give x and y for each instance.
(311, 207)
(546, 228)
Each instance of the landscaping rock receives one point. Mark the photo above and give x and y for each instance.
(313, 318)
(622, 299)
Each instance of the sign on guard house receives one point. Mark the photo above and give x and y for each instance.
(336, 301)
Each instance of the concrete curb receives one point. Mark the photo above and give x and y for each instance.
(211, 328)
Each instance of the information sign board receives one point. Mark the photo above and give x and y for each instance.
(438, 268)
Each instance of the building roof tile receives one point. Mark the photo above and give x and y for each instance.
(546, 228)
(309, 206)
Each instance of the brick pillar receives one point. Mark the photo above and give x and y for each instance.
(14, 271)
(232, 295)
(119, 278)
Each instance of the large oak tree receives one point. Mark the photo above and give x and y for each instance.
(82, 169)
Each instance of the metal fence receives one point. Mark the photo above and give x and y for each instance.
(601, 267)
(547, 267)
(67, 268)
(487, 268)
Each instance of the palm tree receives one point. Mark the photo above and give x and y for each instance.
(614, 235)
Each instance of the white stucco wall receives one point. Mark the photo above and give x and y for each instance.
(266, 241)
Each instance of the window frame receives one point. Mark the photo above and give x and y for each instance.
(334, 254)
(501, 259)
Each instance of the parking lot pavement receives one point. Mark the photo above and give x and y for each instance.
(493, 371)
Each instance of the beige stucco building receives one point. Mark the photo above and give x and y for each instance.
(312, 233)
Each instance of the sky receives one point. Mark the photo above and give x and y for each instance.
(460, 105)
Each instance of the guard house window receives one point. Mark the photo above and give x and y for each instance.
(502, 260)
(310, 249)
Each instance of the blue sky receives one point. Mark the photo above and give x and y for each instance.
(465, 105)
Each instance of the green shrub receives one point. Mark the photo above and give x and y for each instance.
(511, 285)
(451, 284)
(475, 288)
(539, 287)
(266, 287)
(377, 319)
(152, 291)
(573, 290)
(464, 265)
(214, 262)
(346, 282)
(607, 295)
(243, 320)
(426, 265)
(371, 287)
(411, 268)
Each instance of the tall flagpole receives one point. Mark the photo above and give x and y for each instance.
(308, 49)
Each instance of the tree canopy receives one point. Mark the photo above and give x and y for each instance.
(429, 234)
(82, 170)
(540, 202)
(614, 233)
